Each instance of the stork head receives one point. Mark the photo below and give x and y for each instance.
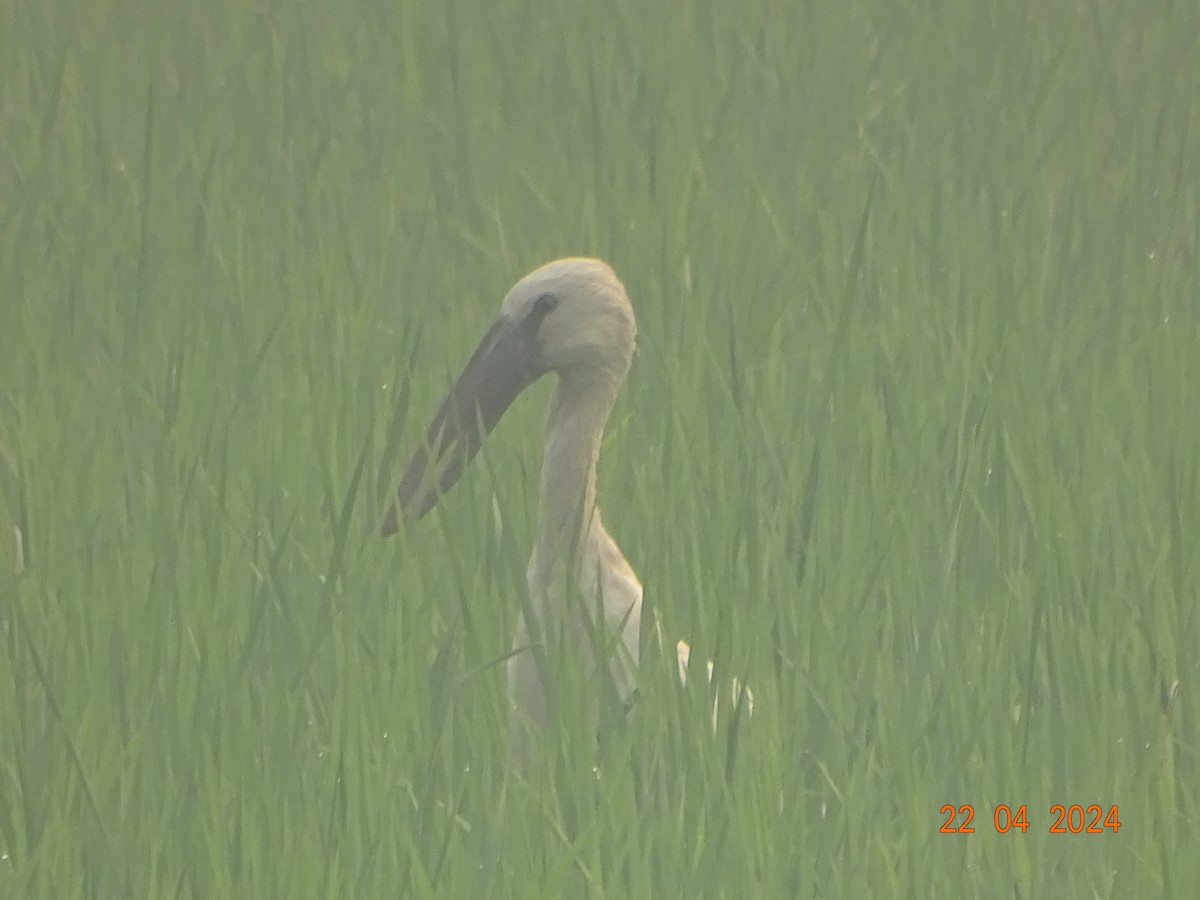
(584, 319)
(571, 316)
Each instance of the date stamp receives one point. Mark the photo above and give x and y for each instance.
(1074, 819)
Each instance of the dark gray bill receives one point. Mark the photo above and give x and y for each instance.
(504, 364)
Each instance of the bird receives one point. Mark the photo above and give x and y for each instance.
(571, 317)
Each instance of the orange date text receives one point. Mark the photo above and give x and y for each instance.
(1073, 819)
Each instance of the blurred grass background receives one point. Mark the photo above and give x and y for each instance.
(926, 473)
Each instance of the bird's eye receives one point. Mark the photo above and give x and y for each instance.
(542, 307)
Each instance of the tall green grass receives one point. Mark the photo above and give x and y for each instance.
(923, 469)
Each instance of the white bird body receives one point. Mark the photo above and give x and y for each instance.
(573, 317)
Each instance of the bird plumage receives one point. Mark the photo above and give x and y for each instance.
(571, 317)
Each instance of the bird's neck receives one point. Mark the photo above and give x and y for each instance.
(567, 513)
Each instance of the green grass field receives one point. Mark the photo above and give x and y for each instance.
(912, 443)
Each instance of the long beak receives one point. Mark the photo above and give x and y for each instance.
(504, 364)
